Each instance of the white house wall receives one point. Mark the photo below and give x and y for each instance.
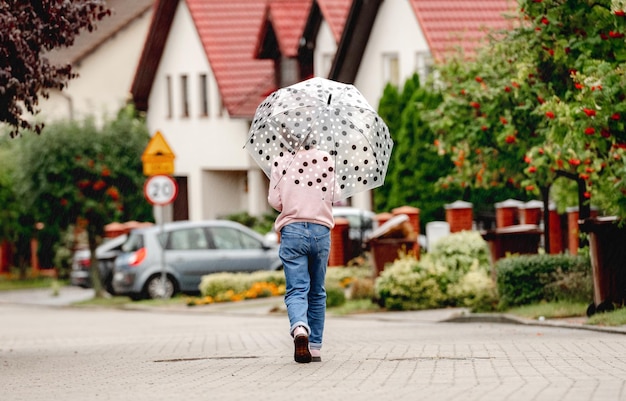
(325, 49)
(209, 150)
(105, 77)
(395, 31)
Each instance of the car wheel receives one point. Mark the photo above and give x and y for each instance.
(108, 284)
(154, 287)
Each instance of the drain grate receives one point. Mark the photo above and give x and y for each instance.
(207, 358)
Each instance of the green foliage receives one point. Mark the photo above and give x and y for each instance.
(78, 173)
(459, 251)
(215, 284)
(11, 211)
(33, 29)
(419, 166)
(455, 273)
(527, 279)
(542, 101)
(261, 224)
(335, 296)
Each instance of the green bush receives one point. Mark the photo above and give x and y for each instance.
(527, 279)
(456, 272)
(218, 283)
(335, 296)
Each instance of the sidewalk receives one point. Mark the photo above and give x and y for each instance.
(69, 295)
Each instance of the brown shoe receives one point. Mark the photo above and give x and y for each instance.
(301, 352)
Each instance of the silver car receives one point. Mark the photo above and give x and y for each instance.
(191, 249)
(105, 254)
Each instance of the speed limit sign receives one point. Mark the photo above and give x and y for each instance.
(160, 190)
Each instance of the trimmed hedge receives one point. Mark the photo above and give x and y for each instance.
(527, 279)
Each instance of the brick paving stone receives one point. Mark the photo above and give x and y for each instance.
(83, 354)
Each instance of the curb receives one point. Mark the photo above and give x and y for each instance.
(511, 319)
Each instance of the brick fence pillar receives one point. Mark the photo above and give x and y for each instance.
(459, 216)
(531, 212)
(507, 213)
(339, 240)
(382, 218)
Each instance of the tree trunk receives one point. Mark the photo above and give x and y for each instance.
(96, 280)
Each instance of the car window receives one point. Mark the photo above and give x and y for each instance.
(190, 238)
(231, 238)
(133, 243)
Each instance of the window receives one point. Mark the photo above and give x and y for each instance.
(230, 238)
(192, 238)
(204, 96)
(168, 95)
(185, 95)
(391, 69)
(423, 65)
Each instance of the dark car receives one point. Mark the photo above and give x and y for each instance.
(186, 251)
(106, 254)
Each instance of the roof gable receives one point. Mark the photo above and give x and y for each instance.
(335, 13)
(450, 25)
(123, 13)
(228, 32)
(288, 19)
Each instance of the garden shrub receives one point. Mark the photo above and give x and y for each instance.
(527, 279)
(335, 296)
(456, 272)
(220, 287)
(213, 285)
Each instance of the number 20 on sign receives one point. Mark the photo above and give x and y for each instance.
(160, 190)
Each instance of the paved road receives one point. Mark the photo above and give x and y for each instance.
(73, 354)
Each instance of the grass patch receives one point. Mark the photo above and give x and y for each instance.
(550, 310)
(351, 307)
(614, 318)
(10, 284)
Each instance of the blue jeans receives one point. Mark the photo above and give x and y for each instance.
(304, 250)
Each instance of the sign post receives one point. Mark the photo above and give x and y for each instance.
(160, 188)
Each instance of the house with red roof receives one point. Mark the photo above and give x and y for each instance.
(207, 64)
(199, 80)
(105, 60)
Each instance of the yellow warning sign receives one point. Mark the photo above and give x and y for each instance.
(158, 157)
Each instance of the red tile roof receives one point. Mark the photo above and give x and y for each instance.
(335, 13)
(228, 31)
(452, 24)
(288, 18)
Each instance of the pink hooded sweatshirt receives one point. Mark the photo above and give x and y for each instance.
(301, 188)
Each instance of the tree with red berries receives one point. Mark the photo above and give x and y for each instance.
(28, 30)
(80, 174)
(542, 101)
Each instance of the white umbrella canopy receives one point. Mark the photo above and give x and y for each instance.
(321, 134)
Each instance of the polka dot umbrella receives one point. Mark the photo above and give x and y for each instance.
(322, 135)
